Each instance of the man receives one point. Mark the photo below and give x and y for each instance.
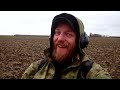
(65, 58)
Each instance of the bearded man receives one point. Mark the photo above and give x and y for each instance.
(65, 59)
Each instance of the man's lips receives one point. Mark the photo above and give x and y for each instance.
(61, 46)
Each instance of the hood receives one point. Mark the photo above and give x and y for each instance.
(74, 22)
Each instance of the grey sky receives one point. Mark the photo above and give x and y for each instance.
(39, 22)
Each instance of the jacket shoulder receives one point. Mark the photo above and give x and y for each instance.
(98, 72)
(31, 70)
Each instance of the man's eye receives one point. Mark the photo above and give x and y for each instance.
(69, 34)
(57, 33)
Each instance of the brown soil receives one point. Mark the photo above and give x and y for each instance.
(18, 52)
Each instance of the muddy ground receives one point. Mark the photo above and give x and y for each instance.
(18, 52)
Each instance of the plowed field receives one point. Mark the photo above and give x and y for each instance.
(18, 52)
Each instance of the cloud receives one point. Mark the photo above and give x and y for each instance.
(39, 22)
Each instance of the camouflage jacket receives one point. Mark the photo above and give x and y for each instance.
(47, 71)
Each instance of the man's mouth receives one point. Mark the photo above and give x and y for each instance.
(61, 46)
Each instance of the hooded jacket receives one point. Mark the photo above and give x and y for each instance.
(76, 24)
(72, 70)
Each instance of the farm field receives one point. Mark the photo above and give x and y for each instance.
(18, 52)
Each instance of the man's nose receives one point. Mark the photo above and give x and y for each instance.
(61, 37)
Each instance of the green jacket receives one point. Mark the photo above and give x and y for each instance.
(47, 71)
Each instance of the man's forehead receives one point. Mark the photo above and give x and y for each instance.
(63, 28)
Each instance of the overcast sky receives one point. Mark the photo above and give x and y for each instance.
(39, 22)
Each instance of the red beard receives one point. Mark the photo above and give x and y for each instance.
(63, 52)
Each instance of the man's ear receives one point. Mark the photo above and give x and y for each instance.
(84, 40)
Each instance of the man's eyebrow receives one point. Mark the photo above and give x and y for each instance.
(57, 29)
(70, 31)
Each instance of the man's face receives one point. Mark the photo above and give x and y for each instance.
(64, 43)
